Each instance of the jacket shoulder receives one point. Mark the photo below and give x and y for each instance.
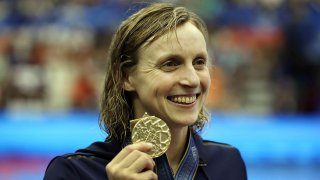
(216, 144)
(61, 168)
(77, 156)
(85, 163)
(218, 150)
(221, 160)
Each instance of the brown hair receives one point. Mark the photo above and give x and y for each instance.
(143, 27)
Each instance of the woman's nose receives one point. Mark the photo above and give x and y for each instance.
(189, 77)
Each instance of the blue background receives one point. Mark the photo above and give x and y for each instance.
(273, 147)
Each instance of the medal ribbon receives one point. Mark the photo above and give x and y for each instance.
(188, 165)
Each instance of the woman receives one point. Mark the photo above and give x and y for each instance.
(158, 63)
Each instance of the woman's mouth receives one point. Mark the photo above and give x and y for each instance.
(183, 99)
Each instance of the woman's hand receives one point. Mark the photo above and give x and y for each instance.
(132, 162)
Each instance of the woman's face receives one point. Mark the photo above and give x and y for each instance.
(171, 79)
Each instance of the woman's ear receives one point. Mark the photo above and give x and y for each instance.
(127, 84)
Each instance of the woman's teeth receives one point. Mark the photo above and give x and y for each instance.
(183, 99)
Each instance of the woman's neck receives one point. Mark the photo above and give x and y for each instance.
(177, 147)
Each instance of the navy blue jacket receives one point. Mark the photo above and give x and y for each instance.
(217, 161)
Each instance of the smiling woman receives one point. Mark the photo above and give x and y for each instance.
(157, 64)
(169, 73)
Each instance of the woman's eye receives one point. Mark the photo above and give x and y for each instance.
(199, 62)
(169, 65)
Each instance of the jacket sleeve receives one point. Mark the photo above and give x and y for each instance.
(61, 168)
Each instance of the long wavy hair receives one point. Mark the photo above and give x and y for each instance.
(144, 26)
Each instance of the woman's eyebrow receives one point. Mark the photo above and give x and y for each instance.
(170, 56)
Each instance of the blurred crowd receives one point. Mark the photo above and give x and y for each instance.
(265, 53)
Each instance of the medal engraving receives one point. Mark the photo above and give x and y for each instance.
(153, 130)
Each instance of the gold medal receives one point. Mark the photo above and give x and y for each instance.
(153, 130)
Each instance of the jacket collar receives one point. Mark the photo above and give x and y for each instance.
(204, 156)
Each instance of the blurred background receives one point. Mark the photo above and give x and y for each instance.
(264, 97)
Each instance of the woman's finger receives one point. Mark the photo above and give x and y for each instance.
(131, 158)
(143, 163)
(150, 175)
(127, 157)
(143, 147)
